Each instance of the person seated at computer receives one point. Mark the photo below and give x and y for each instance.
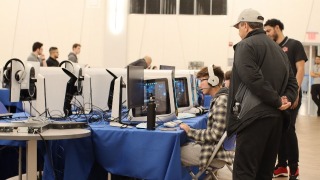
(73, 55)
(37, 54)
(198, 152)
(54, 55)
(145, 62)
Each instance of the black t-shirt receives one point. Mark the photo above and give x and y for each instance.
(52, 62)
(294, 50)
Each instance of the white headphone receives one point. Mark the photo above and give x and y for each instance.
(19, 75)
(213, 80)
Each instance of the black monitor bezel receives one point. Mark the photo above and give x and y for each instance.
(187, 101)
(168, 104)
(135, 86)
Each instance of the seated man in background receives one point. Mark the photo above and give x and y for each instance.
(198, 153)
(37, 54)
(54, 55)
(76, 48)
(145, 62)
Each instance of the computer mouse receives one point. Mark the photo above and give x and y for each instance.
(170, 124)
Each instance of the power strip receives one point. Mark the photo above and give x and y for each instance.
(68, 125)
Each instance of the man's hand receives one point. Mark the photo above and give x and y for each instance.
(295, 104)
(285, 103)
(185, 127)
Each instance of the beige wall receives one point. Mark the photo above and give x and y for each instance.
(168, 39)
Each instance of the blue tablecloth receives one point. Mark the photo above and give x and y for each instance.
(130, 152)
(5, 99)
(72, 159)
(141, 153)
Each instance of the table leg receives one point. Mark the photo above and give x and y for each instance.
(31, 159)
(20, 163)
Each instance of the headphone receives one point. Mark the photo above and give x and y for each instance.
(65, 62)
(19, 75)
(213, 80)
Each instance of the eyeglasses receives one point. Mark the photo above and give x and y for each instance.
(205, 79)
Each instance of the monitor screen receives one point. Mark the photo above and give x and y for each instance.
(160, 90)
(181, 89)
(135, 88)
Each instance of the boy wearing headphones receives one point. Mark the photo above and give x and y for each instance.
(197, 153)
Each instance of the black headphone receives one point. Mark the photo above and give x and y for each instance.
(65, 62)
(213, 80)
(19, 75)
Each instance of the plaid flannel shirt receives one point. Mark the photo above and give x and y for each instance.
(216, 126)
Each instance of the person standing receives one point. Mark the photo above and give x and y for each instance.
(315, 88)
(262, 87)
(54, 55)
(289, 151)
(76, 48)
(37, 54)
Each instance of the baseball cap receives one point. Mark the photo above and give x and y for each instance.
(249, 15)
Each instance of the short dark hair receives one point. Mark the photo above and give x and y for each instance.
(217, 71)
(255, 25)
(227, 75)
(274, 23)
(36, 45)
(317, 56)
(75, 45)
(52, 49)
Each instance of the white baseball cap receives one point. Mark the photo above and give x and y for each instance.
(249, 15)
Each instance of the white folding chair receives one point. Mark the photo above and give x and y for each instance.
(228, 145)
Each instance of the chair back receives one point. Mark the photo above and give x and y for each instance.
(3, 109)
(229, 143)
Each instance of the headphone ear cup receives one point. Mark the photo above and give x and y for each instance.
(213, 80)
(20, 75)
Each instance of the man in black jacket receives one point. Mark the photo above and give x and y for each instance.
(288, 153)
(262, 87)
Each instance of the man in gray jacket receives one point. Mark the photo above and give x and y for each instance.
(262, 87)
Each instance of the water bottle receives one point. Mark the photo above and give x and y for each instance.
(151, 114)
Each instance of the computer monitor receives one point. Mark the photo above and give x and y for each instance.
(51, 91)
(28, 85)
(182, 92)
(17, 75)
(185, 89)
(117, 72)
(159, 89)
(96, 88)
(135, 86)
(158, 83)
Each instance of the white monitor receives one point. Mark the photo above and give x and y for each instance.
(123, 73)
(51, 91)
(159, 84)
(18, 73)
(184, 90)
(96, 87)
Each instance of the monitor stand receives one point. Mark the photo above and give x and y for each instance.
(117, 100)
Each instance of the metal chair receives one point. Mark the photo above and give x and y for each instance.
(228, 145)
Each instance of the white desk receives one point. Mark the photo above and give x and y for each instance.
(50, 134)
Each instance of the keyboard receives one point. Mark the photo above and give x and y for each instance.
(6, 115)
(185, 115)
